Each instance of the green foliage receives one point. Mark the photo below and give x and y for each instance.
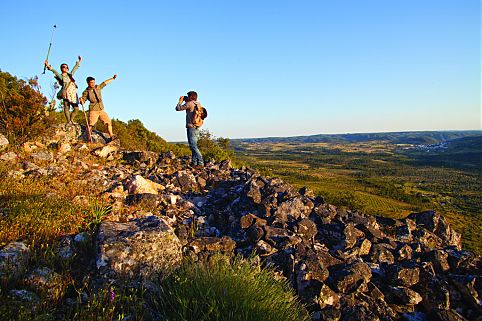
(212, 148)
(134, 136)
(22, 108)
(225, 288)
(97, 212)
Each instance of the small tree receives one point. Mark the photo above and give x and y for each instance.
(215, 148)
(22, 107)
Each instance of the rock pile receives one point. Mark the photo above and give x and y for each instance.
(344, 265)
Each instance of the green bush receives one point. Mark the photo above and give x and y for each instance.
(225, 288)
(212, 148)
(23, 108)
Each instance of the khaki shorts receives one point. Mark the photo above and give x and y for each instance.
(94, 115)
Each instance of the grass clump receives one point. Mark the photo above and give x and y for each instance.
(225, 288)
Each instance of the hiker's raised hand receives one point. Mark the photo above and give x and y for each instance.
(80, 58)
(47, 64)
(181, 99)
(115, 76)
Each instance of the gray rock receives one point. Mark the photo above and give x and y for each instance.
(24, 295)
(137, 248)
(43, 156)
(350, 235)
(65, 248)
(327, 297)
(213, 244)
(3, 142)
(64, 148)
(406, 295)
(263, 248)
(13, 260)
(466, 286)
(381, 253)
(403, 276)
(44, 280)
(139, 185)
(253, 192)
(350, 277)
(82, 240)
(293, 209)
(106, 150)
(439, 260)
(9, 157)
(141, 157)
(307, 229)
(187, 181)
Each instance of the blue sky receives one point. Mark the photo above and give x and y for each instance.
(263, 68)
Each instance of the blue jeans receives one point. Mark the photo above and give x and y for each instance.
(192, 138)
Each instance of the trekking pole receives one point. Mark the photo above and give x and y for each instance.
(89, 133)
(50, 46)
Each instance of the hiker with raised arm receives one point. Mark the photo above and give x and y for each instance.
(68, 89)
(93, 93)
(195, 115)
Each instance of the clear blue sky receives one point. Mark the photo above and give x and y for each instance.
(263, 68)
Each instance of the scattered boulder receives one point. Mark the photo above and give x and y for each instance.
(106, 150)
(13, 260)
(139, 185)
(3, 142)
(140, 247)
(45, 280)
(9, 157)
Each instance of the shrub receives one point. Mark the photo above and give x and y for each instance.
(225, 288)
(22, 108)
(217, 149)
(134, 136)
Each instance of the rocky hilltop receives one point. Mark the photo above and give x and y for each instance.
(343, 264)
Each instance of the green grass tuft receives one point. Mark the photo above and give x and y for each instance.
(225, 288)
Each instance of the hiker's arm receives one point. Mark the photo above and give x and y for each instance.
(57, 74)
(105, 82)
(83, 99)
(77, 65)
(180, 106)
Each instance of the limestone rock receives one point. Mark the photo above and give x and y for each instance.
(9, 157)
(406, 295)
(42, 156)
(137, 248)
(140, 185)
(3, 142)
(328, 297)
(44, 280)
(106, 150)
(350, 277)
(13, 260)
(24, 295)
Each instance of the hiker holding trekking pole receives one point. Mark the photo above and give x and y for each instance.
(68, 88)
(96, 106)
